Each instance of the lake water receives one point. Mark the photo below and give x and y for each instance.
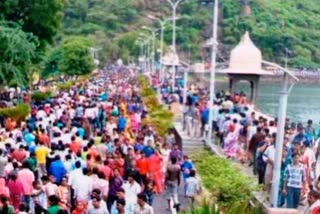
(303, 101)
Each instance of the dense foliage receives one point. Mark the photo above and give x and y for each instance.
(39, 17)
(231, 189)
(26, 29)
(35, 38)
(278, 27)
(39, 96)
(158, 116)
(16, 55)
(17, 113)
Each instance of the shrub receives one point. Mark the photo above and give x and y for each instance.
(231, 189)
(39, 96)
(65, 86)
(17, 113)
(151, 102)
(205, 207)
(159, 118)
(147, 91)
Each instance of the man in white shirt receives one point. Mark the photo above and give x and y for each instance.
(41, 114)
(147, 137)
(132, 189)
(268, 158)
(142, 207)
(83, 187)
(96, 207)
(74, 175)
(96, 193)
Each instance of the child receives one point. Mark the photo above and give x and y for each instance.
(192, 186)
(149, 192)
(186, 166)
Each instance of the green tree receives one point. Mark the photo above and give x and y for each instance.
(76, 58)
(18, 49)
(40, 17)
(51, 63)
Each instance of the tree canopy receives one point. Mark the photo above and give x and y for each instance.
(72, 57)
(278, 27)
(32, 29)
(40, 17)
(17, 50)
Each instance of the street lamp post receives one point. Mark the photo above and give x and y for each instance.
(174, 5)
(213, 67)
(154, 34)
(141, 58)
(283, 101)
(162, 28)
(148, 50)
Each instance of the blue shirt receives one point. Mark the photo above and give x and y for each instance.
(29, 138)
(300, 137)
(103, 96)
(121, 123)
(138, 147)
(186, 166)
(81, 132)
(205, 115)
(148, 151)
(57, 170)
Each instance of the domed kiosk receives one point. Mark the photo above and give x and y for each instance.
(246, 64)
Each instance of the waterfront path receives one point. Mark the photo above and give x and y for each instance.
(192, 145)
(189, 145)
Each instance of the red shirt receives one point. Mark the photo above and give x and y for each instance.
(119, 163)
(93, 153)
(44, 139)
(143, 166)
(19, 155)
(106, 170)
(75, 147)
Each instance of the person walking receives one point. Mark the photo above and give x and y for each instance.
(26, 178)
(172, 182)
(294, 181)
(192, 186)
(142, 206)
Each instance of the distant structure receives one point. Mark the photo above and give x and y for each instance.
(246, 64)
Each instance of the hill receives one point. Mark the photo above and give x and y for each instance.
(278, 27)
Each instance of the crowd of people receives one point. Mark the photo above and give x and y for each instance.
(250, 138)
(86, 151)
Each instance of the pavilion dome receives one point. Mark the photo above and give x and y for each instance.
(246, 58)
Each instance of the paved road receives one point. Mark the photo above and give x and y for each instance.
(189, 145)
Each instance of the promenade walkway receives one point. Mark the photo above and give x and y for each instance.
(189, 145)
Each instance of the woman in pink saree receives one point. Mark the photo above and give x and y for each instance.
(231, 142)
(155, 166)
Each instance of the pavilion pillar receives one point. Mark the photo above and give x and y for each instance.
(256, 90)
(230, 84)
(252, 91)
